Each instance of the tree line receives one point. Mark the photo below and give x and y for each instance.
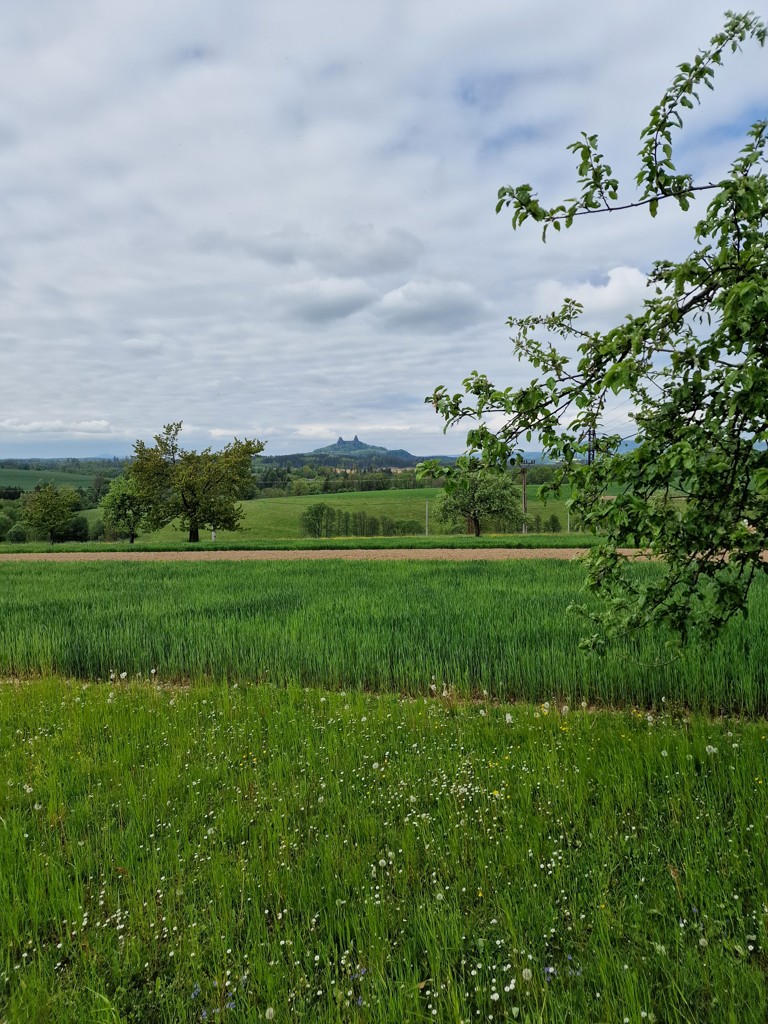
(322, 520)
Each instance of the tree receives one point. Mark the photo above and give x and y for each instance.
(316, 520)
(49, 509)
(473, 493)
(125, 509)
(200, 489)
(693, 365)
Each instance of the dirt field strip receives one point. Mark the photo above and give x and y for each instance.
(347, 554)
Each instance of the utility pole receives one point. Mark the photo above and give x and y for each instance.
(591, 438)
(524, 480)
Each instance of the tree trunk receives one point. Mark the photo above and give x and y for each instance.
(194, 533)
(476, 525)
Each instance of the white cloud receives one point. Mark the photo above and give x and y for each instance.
(281, 216)
(73, 427)
(323, 300)
(430, 306)
(621, 292)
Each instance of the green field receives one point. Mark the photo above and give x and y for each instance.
(262, 853)
(496, 626)
(276, 842)
(270, 521)
(279, 518)
(28, 479)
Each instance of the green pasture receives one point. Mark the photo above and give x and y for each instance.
(262, 853)
(500, 627)
(28, 479)
(269, 521)
(280, 518)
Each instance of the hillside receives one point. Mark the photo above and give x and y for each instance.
(354, 454)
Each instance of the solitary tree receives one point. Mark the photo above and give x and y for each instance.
(49, 508)
(200, 489)
(473, 493)
(125, 510)
(693, 365)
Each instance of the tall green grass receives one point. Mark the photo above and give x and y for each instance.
(251, 854)
(502, 627)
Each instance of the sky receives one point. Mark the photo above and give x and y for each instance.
(277, 220)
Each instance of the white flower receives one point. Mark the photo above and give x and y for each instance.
(508, 718)
(710, 749)
(527, 974)
(269, 1013)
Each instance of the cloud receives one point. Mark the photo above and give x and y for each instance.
(143, 346)
(622, 292)
(430, 306)
(76, 427)
(285, 215)
(324, 300)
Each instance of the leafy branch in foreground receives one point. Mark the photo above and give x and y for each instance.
(693, 365)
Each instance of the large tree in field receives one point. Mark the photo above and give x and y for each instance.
(125, 509)
(473, 494)
(49, 508)
(693, 365)
(200, 489)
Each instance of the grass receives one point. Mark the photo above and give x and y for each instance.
(390, 626)
(278, 518)
(28, 479)
(276, 522)
(238, 855)
(176, 542)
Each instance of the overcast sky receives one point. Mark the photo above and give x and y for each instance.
(276, 220)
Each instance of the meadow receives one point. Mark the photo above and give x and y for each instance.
(276, 522)
(241, 854)
(28, 479)
(502, 627)
(373, 792)
(275, 518)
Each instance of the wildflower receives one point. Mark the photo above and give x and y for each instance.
(710, 749)
(269, 1013)
(527, 974)
(508, 718)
